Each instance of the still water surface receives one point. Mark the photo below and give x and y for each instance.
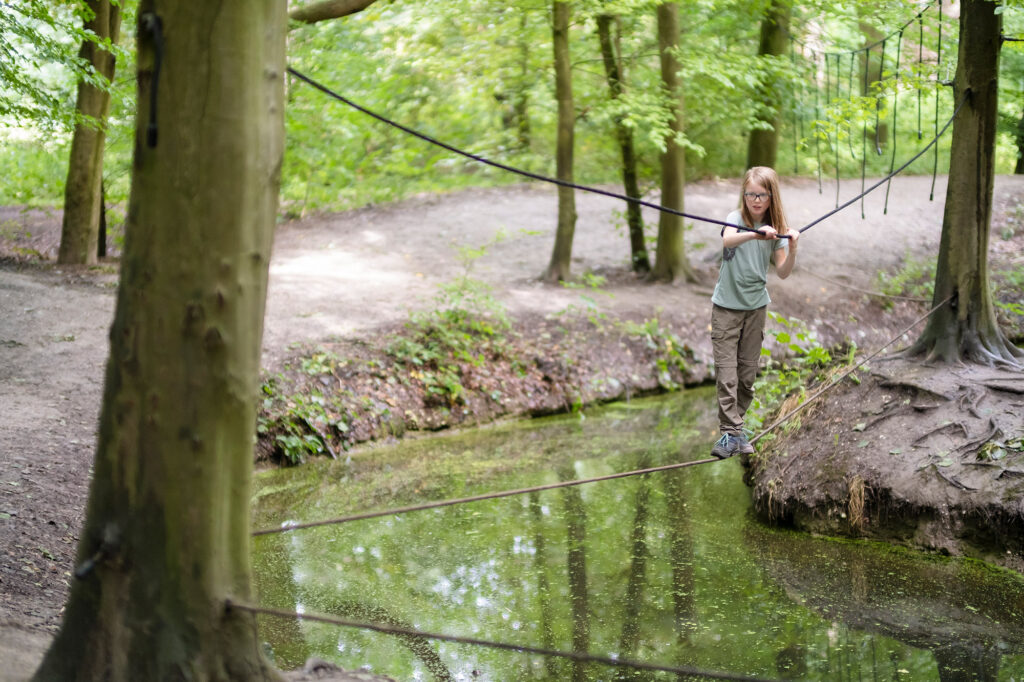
(669, 568)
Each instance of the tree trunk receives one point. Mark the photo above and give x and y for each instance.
(763, 146)
(670, 261)
(966, 328)
(614, 73)
(561, 256)
(166, 536)
(82, 193)
(521, 99)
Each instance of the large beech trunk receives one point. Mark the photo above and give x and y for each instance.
(166, 536)
(561, 255)
(670, 262)
(83, 195)
(614, 72)
(763, 145)
(966, 328)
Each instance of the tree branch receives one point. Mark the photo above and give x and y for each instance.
(328, 9)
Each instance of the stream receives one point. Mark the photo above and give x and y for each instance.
(669, 568)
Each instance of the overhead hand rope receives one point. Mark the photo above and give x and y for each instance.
(287, 527)
(585, 188)
(505, 646)
(511, 169)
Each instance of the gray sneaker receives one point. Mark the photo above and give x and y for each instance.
(725, 447)
(732, 444)
(743, 445)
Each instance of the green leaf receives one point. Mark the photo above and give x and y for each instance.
(860, 427)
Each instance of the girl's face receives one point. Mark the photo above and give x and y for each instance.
(757, 198)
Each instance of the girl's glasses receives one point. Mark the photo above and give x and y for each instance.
(757, 195)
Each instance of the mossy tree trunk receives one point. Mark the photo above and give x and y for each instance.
(966, 328)
(561, 255)
(614, 72)
(670, 262)
(763, 145)
(167, 529)
(83, 196)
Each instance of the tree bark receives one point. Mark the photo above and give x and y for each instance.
(966, 328)
(763, 145)
(561, 256)
(521, 99)
(670, 263)
(328, 9)
(82, 192)
(634, 220)
(166, 535)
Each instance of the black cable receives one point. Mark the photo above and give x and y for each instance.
(511, 169)
(938, 62)
(585, 188)
(895, 108)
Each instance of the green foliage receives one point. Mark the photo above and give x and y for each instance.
(589, 285)
(300, 423)
(672, 352)
(39, 65)
(916, 277)
(467, 325)
(782, 379)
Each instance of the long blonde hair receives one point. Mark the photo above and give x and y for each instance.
(768, 178)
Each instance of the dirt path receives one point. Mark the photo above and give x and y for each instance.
(347, 274)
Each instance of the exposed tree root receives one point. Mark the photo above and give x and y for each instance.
(972, 446)
(939, 429)
(969, 401)
(952, 480)
(1000, 386)
(899, 409)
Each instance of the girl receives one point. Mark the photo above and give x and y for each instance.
(740, 299)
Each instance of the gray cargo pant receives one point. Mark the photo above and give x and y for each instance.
(736, 337)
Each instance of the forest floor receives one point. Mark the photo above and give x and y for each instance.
(345, 282)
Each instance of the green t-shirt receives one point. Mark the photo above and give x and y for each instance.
(744, 271)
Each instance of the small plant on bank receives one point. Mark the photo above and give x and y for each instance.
(672, 352)
(782, 379)
(589, 286)
(916, 278)
(466, 326)
(301, 424)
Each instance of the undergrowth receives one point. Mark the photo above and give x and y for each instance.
(438, 354)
